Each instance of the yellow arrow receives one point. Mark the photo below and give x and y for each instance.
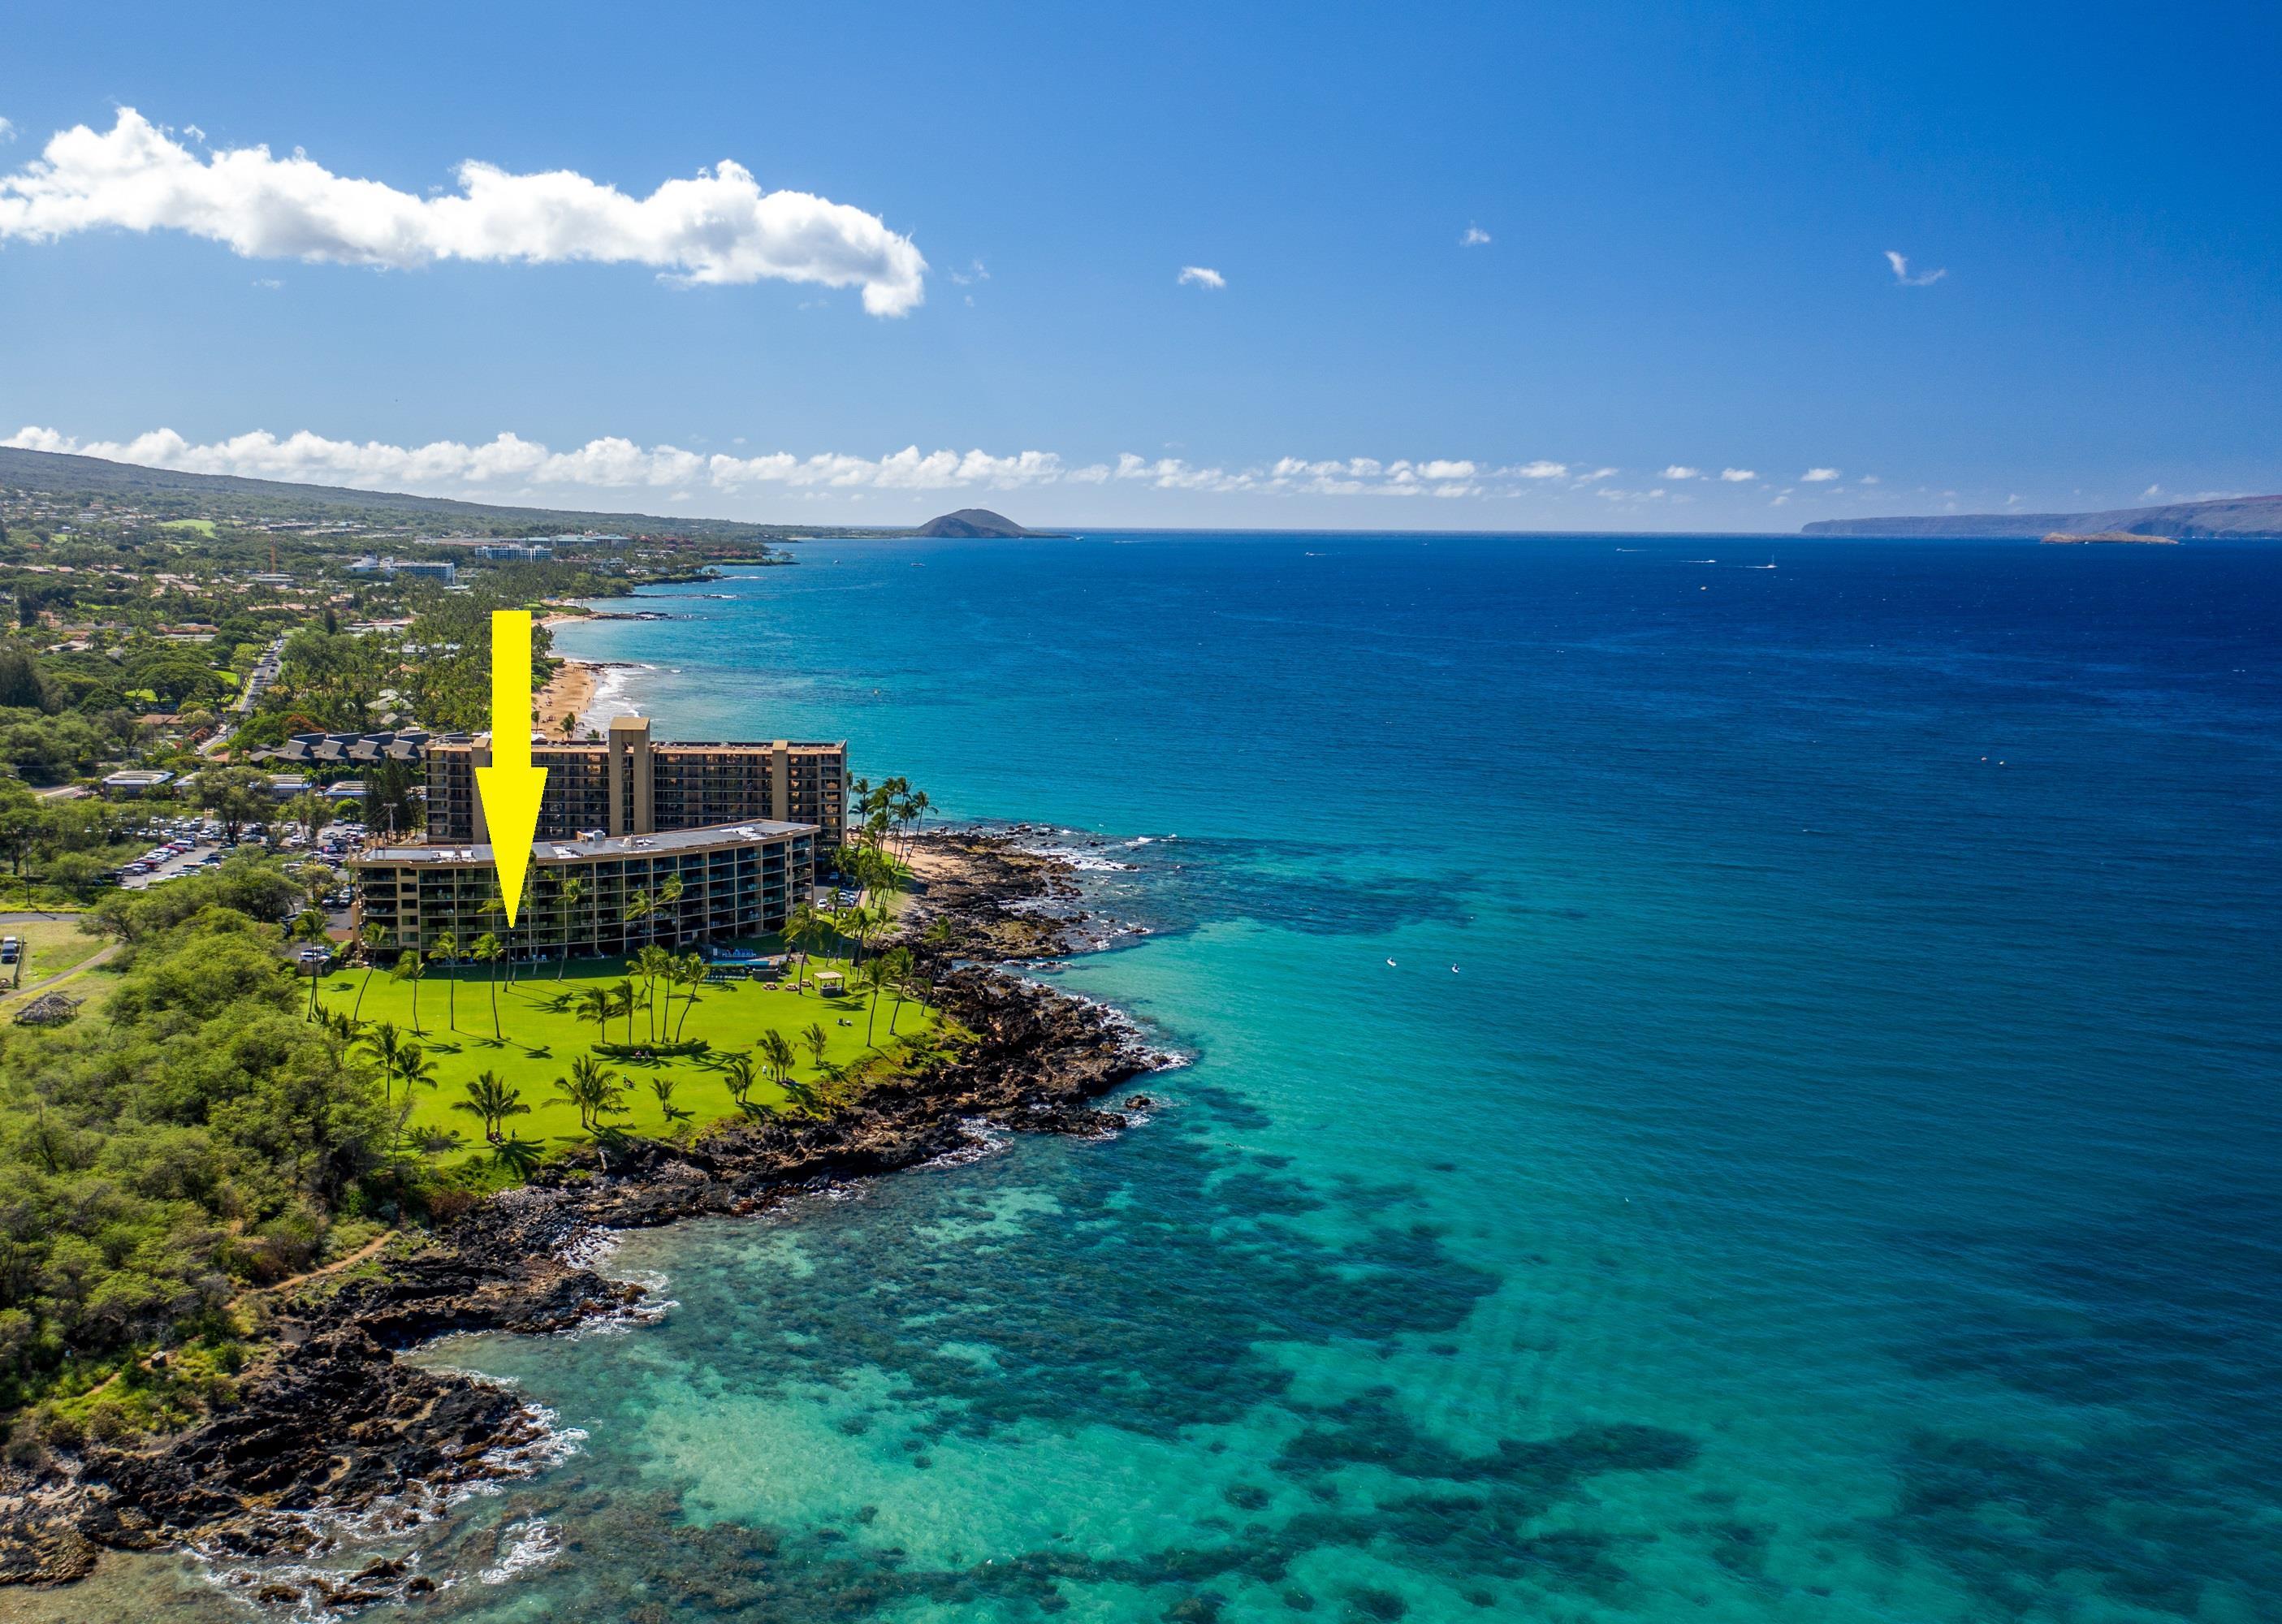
(511, 786)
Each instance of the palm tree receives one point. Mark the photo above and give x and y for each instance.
(801, 928)
(566, 898)
(622, 1003)
(778, 1052)
(593, 1090)
(638, 907)
(669, 899)
(486, 950)
(897, 962)
(370, 939)
(650, 963)
(815, 1039)
(446, 946)
(689, 974)
(596, 1004)
(740, 1067)
(407, 969)
(491, 1098)
(385, 1044)
(309, 927)
(414, 1066)
(663, 1087)
(871, 977)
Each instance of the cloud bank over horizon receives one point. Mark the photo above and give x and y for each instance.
(510, 468)
(718, 228)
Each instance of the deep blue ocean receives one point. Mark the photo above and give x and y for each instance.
(1719, 1092)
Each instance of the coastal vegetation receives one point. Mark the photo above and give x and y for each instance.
(225, 1125)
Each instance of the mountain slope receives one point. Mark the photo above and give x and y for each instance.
(2245, 517)
(60, 474)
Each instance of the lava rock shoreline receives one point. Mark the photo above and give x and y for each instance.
(332, 1424)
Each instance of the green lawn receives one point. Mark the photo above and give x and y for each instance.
(55, 946)
(538, 1043)
(205, 528)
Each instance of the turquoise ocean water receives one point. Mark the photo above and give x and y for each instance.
(1718, 1093)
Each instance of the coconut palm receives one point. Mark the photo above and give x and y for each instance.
(740, 1067)
(594, 1091)
(309, 927)
(871, 977)
(896, 969)
(492, 1099)
(417, 1070)
(622, 1003)
(669, 901)
(638, 909)
(816, 1041)
(777, 1052)
(595, 1003)
(650, 963)
(663, 1087)
(370, 940)
(566, 899)
(486, 950)
(446, 946)
(409, 969)
(385, 1044)
(689, 976)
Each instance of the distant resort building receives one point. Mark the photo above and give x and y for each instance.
(740, 825)
(348, 750)
(424, 569)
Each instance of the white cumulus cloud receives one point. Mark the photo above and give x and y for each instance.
(718, 227)
(1474, 237)
(510, 467)
(1677, 472)
(1201, 276)
(1818, 476)
(1902, 272)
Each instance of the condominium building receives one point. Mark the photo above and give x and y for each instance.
(741, 881)
(629, 784)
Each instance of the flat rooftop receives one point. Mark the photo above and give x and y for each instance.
(713, 836)
(596, 746)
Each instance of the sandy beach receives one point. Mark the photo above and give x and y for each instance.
(566, 695)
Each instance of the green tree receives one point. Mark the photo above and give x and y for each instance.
(663, 1087)
(370, 939)
(596, 1092)
(490, 1098)
(236, 797)
(443, 947)
(385, 1044)
(777, 1052)
(409, 969)
(740, 1070)
(815, 1038)
(309, 929)
(897, 964)
(871, 975)
(485, 949)
(689, 974)
(567, 897)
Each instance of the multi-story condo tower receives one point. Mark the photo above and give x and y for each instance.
(629, 784)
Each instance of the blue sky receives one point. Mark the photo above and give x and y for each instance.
(1688, 216)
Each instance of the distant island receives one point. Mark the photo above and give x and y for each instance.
(2255, 518)
(2061, 538)
(970, 522)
